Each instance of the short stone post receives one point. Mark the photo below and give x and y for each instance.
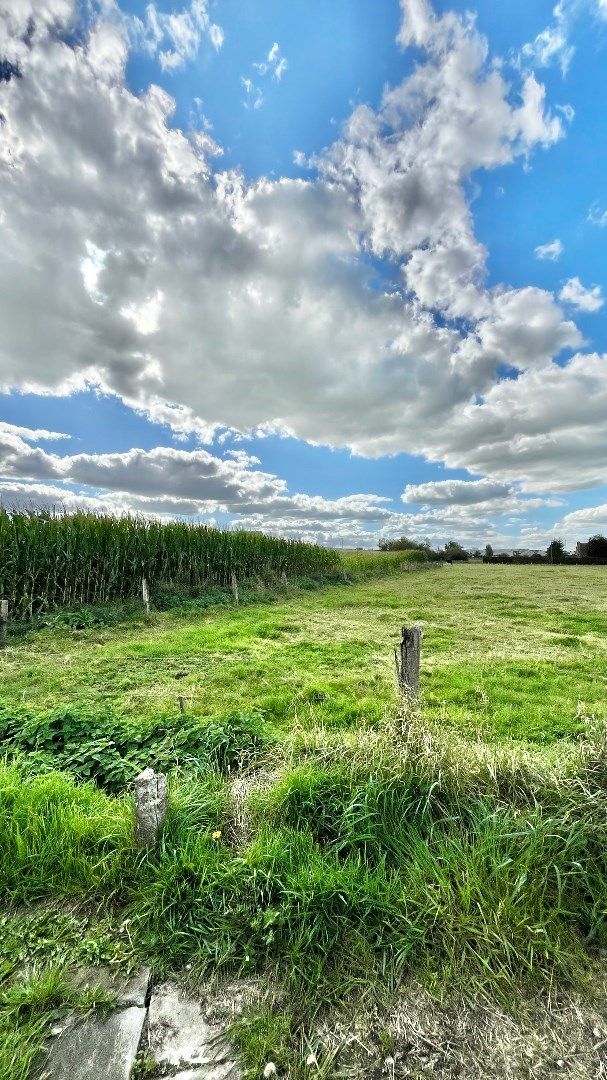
(145, 592)
(235, 587)
(284, 579)
(151, 803)
(3, 622)
(181, 704)
(407, 665)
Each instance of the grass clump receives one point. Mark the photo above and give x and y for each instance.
(58, 838)
(271, 1034)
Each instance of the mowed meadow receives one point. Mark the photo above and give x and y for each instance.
(509, 654)
(321, 837)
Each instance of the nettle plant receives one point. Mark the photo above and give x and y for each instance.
(110, 748)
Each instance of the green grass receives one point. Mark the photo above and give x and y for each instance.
(463, 844)
(509, 652)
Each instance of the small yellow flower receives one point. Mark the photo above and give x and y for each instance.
(217, 834)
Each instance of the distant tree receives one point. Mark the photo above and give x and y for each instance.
(477, 553)
(488, 551)
(403, 543)
(597, 547)
(555, 550)
(454, 551)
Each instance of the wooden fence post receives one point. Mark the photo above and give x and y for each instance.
(407, 664)
(3, 621)
(151, 803)
(146, 596)
(235, 587)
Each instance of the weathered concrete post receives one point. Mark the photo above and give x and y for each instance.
(146, 596)
(283, 578)
(3, 622)
(407, 666)
(151, 803)
(235, 587)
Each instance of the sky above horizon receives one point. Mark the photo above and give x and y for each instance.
(331, 270)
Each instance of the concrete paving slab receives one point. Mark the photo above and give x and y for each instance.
(179, 1036)
(97, 1047)
(133, 990)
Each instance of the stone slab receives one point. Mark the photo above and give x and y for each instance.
(179, 1036)
(132, 991)
(97, 1047)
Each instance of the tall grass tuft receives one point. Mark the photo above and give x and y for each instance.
(55, 560)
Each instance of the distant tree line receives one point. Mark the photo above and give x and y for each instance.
(595, 552)
(451, 552)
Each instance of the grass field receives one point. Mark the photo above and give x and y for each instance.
(464, 843)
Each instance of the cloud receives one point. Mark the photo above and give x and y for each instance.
(573, 292)
(546, 429)
(184, 481)
(211, 303)
(28, 495)
(462, 492)
(274, 66)
(167, 481)
(552, 45)
(254, 98)
(174, 37)
(577, 525)
(30, 434)
(552, 251)
(471, 499)
(586, 522)
(596, 216)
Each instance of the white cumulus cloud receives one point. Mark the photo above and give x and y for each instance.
(552, 250)
(573, 292)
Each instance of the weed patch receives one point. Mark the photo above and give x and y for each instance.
(111, 749)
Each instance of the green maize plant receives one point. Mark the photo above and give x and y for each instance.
(50, 560)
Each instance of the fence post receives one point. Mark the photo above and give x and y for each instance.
(181, 704)
(283, 578)
(235, 587)
(3, 622)
(151, 803)
(407, 665)
(146, 596)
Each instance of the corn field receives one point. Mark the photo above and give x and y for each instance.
(55, 560)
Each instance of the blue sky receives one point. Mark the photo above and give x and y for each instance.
(335, 271)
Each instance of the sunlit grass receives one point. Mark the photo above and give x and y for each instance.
(509, 652)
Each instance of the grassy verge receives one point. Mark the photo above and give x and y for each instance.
(460, 845)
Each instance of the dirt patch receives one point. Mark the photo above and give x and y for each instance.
(420, 1037)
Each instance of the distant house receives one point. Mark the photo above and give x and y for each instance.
(519, 552)
(581, 550)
